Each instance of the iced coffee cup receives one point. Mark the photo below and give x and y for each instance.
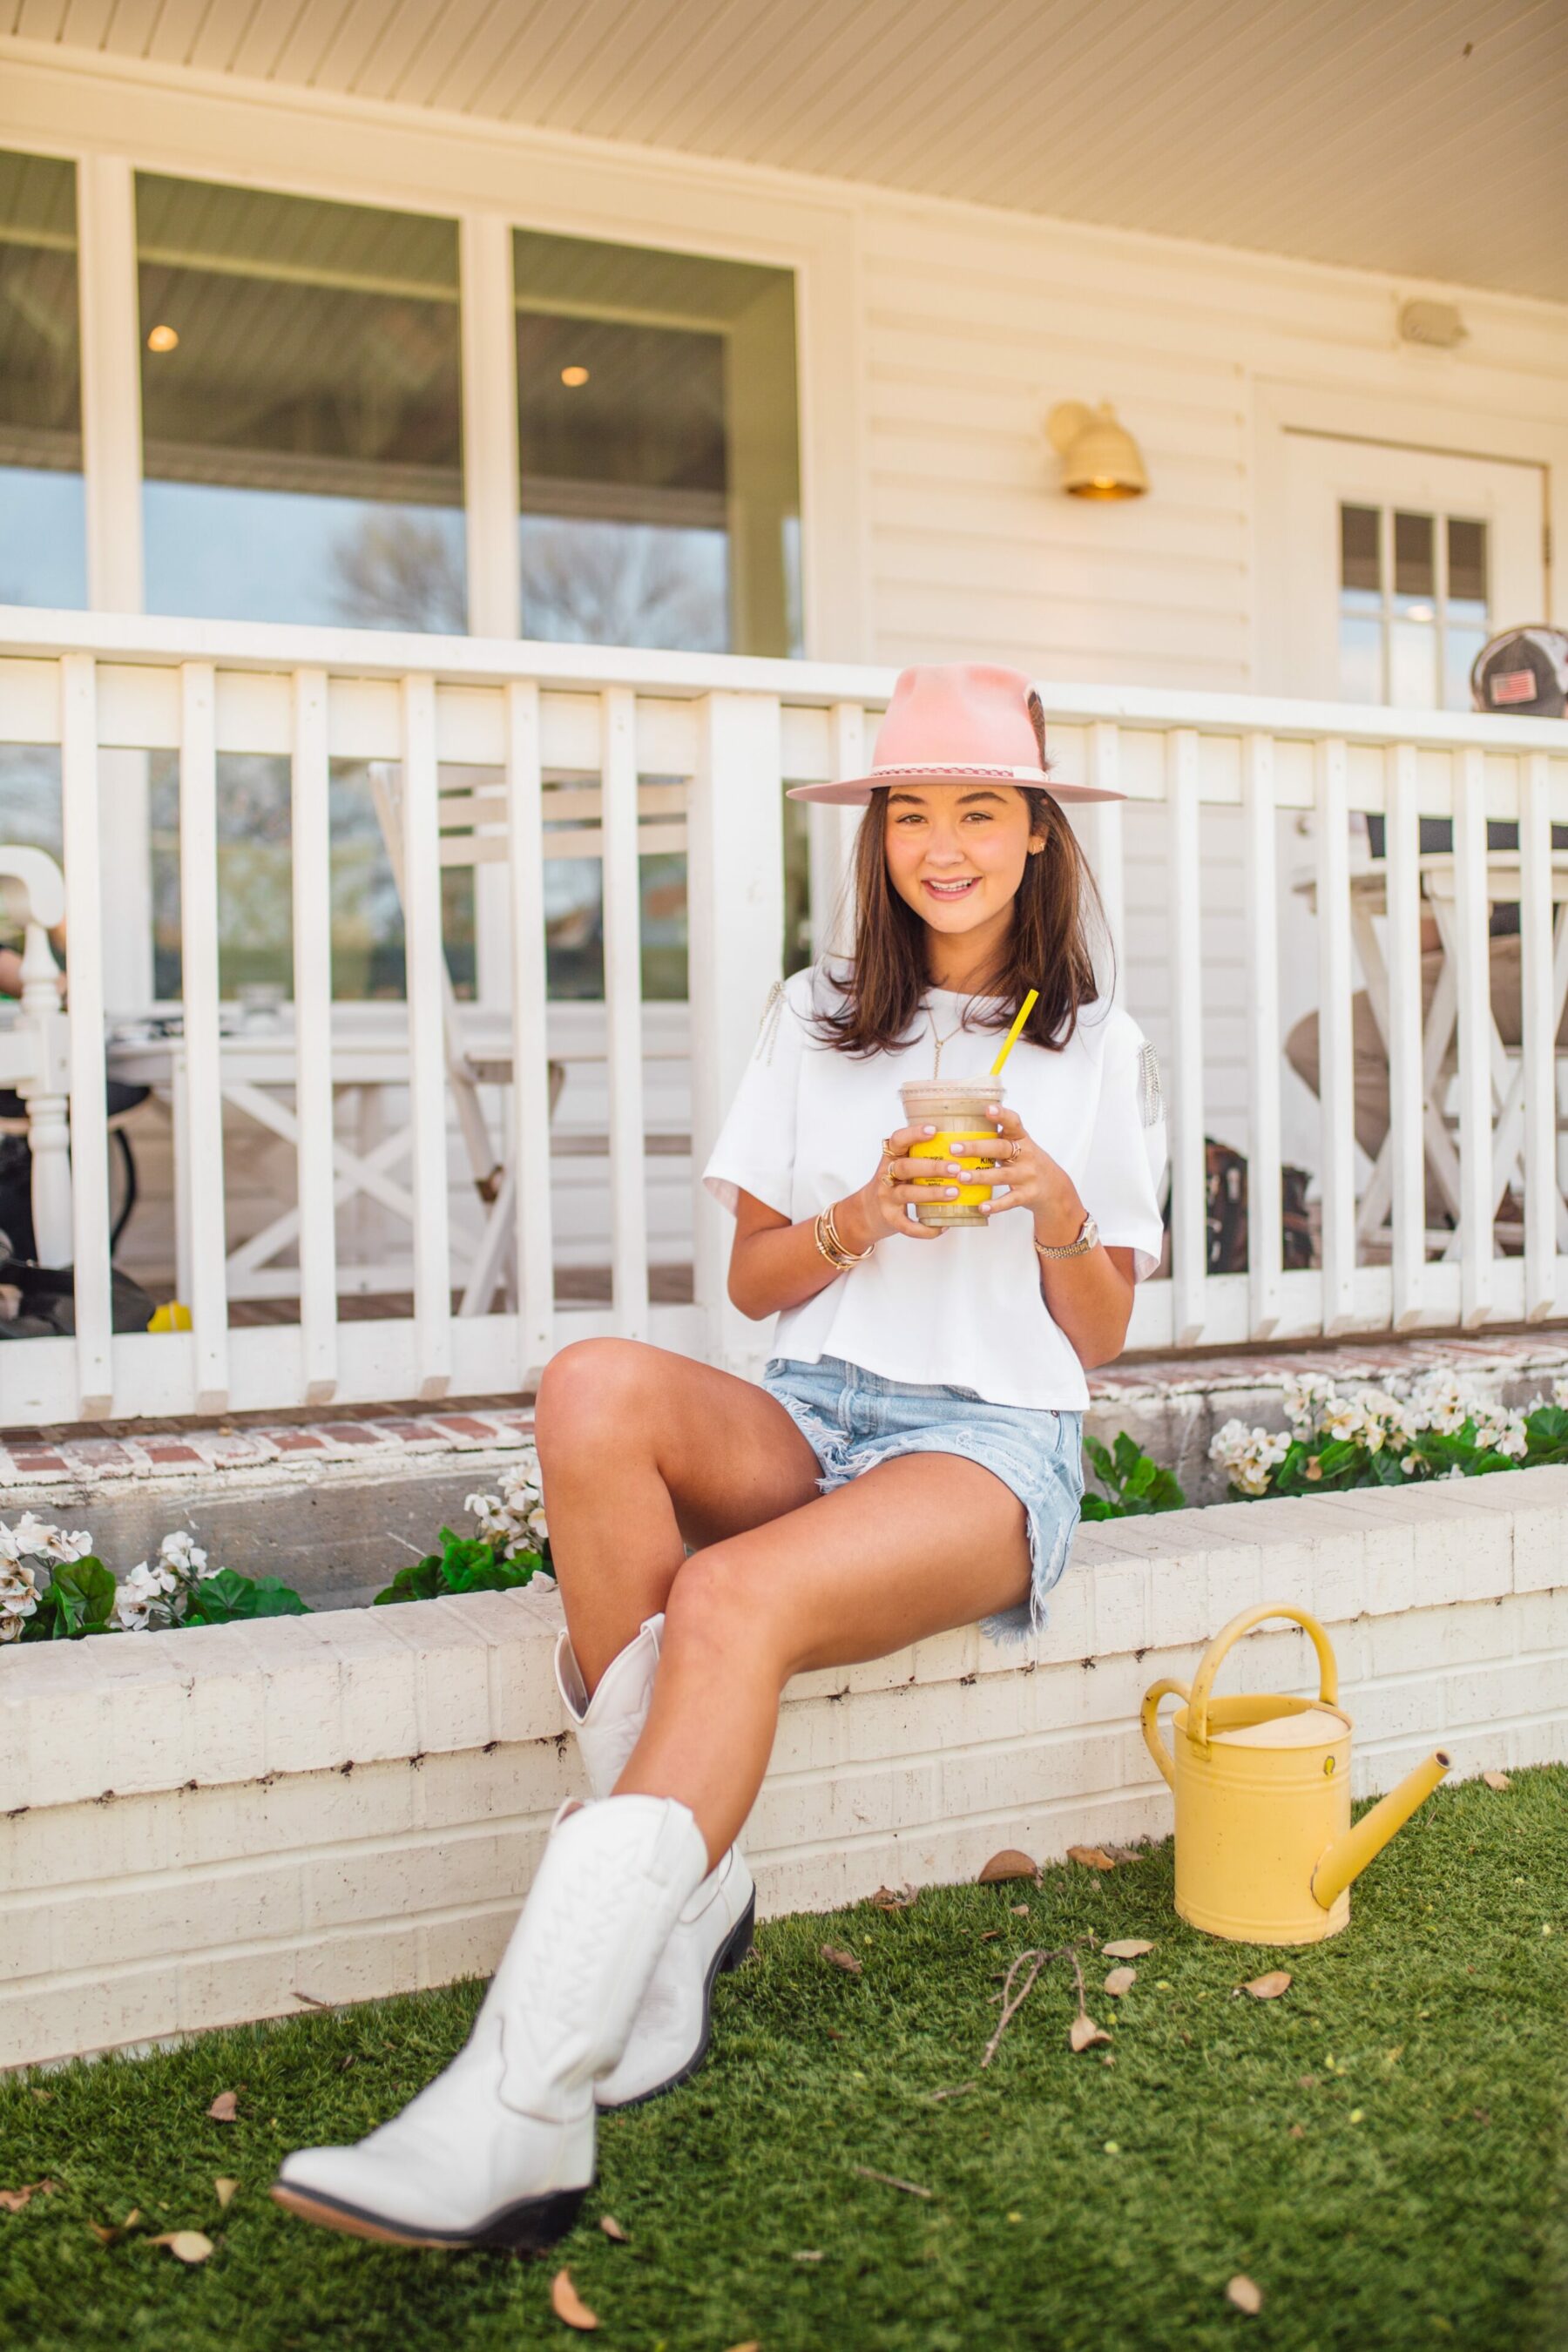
(958, 1106)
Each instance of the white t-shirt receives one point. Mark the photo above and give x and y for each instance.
(806, 1129)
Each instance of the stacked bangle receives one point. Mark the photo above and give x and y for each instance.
(830, 1246)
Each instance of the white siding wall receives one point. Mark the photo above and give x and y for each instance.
(974, 324)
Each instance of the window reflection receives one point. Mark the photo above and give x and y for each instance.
(301, 409)
(1413, 606)
(43, 531)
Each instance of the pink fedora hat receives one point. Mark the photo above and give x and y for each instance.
(962, 723)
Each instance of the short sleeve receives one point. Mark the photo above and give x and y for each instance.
(1120, 1185)
(755, 1151)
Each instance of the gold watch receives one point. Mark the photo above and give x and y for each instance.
(1087, 1239)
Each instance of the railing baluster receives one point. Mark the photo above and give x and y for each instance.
(1102, 832)
(624, 1012)
(426, 1044)
(831, 832)
(1264, 1193)
(1336, 1075)
(200, 1141)
(736, 896)
(313, 1040)
(1189, 1219)
(1476, 1198)
(90, 1137)
(1406, 1113)
(530, 1030)
(1537, 1045)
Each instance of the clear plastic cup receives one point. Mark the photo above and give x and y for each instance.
(958, 1106)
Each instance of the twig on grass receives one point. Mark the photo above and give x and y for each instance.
(1012, 2002)
(890, 2180)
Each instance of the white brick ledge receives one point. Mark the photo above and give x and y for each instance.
(202, 1828)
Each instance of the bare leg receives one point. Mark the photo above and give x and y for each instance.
(922, 1543)
(642, 1451)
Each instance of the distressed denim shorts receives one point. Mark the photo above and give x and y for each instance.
(853, 1418)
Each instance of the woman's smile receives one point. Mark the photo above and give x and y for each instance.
(959, 889)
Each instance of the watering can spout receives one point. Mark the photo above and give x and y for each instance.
(1347, 1856)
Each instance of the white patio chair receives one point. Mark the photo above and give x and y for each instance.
(35, 1052)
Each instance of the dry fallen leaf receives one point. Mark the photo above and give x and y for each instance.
(1120, 1980)
(13, 2199)
(1298, 2131)
(109, 2236)
(1270, 1987)
(891, 2180)
(612, 2229)
(568, 2305)
(226, 2188)
(1019, 1910)
(185, 2245)
(1246, 2296)
(807, 2254)
(1497, 1780)
(1131, 1948)
(1093, 1857)
(751, 2343)
(841, 1959)
(223, 2109)
(1008, 1863)
(1083, 2032)
(885, 1899)
(990, 1935)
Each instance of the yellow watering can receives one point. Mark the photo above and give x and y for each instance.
(1265, 1850)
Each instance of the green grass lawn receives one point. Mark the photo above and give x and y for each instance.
(1382, 2149)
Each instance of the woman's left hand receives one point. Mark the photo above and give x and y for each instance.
(1034, 1179)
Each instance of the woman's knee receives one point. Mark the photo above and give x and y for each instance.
(714, 1606)
(590, 1389)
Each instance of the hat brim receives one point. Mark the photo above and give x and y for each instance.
(854, 792)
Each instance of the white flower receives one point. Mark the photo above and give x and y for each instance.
(1560, 1391)
(36, 1538)
(514, 1520)
(18, 1597)
(181, 1553)
(143, 1599)
(1250, 1456)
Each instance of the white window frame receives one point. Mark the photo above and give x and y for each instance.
(112, 119)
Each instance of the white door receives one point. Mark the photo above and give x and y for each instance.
(1398, 565)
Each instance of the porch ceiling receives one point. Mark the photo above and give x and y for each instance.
(1419, 137)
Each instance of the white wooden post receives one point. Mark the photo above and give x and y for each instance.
(488, 328)
(1538, 1043)
(312, 854)
(426, 1040)
(108, 300)
(89, 1134)
(1264, 1192)
(735, 882)
(1100, 829)
(1476, 1199)
(200, 1139)
(624, 1011)
(1189, 1210)
(1406, 1112)
(1336, 1056)
(530, 1032)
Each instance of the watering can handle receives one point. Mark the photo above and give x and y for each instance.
(1150, 1719)
(1209, 1666)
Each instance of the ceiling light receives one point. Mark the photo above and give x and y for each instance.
(1100, 457)
(163, 338)
(573, 376)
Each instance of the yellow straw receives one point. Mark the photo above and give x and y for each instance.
(1028, 1005)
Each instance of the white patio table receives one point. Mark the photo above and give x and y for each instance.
(258, 1070)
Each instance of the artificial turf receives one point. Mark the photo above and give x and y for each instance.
(1382, 2149)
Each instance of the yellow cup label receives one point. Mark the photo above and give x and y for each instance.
(945, 1146)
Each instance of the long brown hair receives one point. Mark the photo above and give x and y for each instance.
(1050, 946)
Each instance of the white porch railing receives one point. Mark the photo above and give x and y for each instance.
(732, 732)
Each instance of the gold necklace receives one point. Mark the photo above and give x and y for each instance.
(938, 1041)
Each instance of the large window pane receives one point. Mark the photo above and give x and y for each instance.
(301, 411)
(658, 441)
(43, 538)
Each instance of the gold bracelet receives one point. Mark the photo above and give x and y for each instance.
(830, 1245)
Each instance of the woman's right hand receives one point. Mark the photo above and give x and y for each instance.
(882, 1206)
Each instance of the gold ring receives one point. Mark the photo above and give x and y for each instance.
(1017, 1146)
(887, 1151)
(888, 1175)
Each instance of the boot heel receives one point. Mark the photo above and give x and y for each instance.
(739, 1941)
(529, 2228)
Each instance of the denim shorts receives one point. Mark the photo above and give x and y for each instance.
(853, 1418)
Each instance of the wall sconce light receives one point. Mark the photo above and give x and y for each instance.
(1100, 457)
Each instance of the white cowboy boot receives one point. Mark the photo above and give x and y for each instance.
(498, 2149)
(669, 2039)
